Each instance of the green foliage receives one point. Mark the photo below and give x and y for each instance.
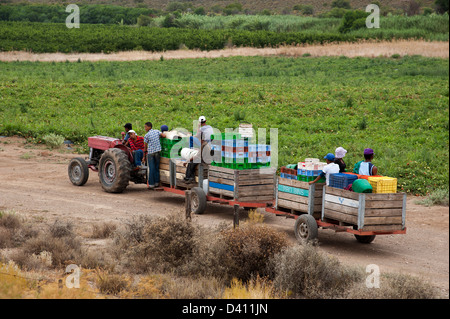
(102, 14)
(353, 20)
(442, 6)
(313, 103)
(344, 4)
(53, 140)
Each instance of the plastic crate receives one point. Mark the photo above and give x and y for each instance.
(383, 184)
(341, 180)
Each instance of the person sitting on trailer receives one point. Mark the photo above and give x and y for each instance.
(204, 133)
(137, 146)
(339, 154)
(366, 167)
(330, 168)
(125, 135)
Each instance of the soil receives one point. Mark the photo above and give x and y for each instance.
(34, 183)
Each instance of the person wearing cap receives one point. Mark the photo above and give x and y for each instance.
(366, 167)
(164, 128)
(137, 146)
(125, 135)
(153, 151)
(339, 154)
(330, 168)
(204, 133)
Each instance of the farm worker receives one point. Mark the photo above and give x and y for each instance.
(366, 167)
(164, 128)
(153, 146)
(339, 154)
(204, 133)
(126, 136)
(330, 168)
(137, 146)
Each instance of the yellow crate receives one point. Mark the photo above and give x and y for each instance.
(383, 184)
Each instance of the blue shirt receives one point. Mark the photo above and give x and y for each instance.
(152, 140)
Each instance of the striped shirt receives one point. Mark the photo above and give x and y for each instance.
(138, 144)
(152, 140)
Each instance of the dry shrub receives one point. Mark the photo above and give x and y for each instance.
(113, 284)
(394, 286)
(177, 287)
(61, 229)
(302, 271)
(160, 243)
(255, 289)
(59, 244)
(248, 250)
(104, 230)
(14, 231)
(12, 282)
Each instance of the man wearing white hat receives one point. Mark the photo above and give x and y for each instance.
(204, 133)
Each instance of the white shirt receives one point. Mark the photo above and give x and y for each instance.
(207, 131)
(328, 169)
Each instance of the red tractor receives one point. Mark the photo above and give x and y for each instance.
(113, 162)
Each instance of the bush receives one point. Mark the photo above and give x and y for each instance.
(301, 271)
(393, 286)
(353, 20)
(249, 248)
(437, 197)
(162, 243)
(53, 140)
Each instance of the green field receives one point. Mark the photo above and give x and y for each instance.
(398, 107)
(214, 33)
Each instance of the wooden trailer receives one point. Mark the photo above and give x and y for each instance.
(363, 215)
(298, 197)
(250, 188)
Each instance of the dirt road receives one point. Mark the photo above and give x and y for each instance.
(369, 49)
(34, 183)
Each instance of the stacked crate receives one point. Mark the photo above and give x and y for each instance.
(237, 153)
(167, 145)
(308, 170)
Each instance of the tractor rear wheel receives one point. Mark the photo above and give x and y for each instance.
(114, 170)
(78, 171)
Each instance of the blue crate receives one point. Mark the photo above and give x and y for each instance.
(341, 180)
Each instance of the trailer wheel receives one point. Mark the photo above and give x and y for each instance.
(198, 200)
(365, 239)
(78, 171)
(114, 170)
(306, 229)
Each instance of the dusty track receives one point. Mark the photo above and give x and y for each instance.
(363, 49)
(34, 183)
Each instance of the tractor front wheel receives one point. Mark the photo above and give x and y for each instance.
(78, 171)
(114, 170)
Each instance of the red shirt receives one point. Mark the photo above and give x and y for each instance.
(138, 144)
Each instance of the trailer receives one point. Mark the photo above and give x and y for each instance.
(364, 215)
(248, 189)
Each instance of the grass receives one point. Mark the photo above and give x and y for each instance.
(436, 197)
(398, 107)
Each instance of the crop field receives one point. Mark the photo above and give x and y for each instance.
(397, 106)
